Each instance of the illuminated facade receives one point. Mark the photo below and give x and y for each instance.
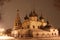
(33, 26)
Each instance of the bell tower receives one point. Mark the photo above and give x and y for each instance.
(17, 23)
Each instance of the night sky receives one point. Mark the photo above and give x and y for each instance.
(49, 11)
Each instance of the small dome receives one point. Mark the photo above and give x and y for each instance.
(47, 22)
(41, 17)
(33, 14)
(26, 17)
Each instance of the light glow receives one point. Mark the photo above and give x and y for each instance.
(6, 37)
(2, 29)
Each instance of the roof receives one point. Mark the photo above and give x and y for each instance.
(41, 17)
(33, 14)
(26, 17)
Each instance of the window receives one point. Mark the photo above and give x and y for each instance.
(43, 34)
(37, 34)
(52, 33)
(22, 27)
(55, 33)
(53, 30)
(33, 26)
(48, 34)
(16, 24)
(38, 27)
(28, 26)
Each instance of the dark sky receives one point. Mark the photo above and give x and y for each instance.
(49, 11)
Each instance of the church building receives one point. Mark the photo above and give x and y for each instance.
(33, 26)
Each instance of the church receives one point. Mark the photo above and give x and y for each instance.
(33, 26)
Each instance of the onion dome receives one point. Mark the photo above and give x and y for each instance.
(33, 14)
(26, 17)
(41, 17)
(47, 22)
(48, 26)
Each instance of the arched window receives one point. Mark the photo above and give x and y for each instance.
(28, 26)
(43, 34)
(37, 34)
(38, 27)
(53, 30)
(22, 28)
(15, 24)
(52, 33)
(48, 34)
(33, 26)
(55, 33)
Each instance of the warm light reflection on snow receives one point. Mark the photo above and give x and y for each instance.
(6, 37)
(2, 29)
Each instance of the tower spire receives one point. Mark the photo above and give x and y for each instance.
(17, 17)
(17, 12)
(41, 14)
(41, 17)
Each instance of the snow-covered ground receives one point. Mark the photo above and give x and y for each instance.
(46, 38)
(51, 38)
(6, 38)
